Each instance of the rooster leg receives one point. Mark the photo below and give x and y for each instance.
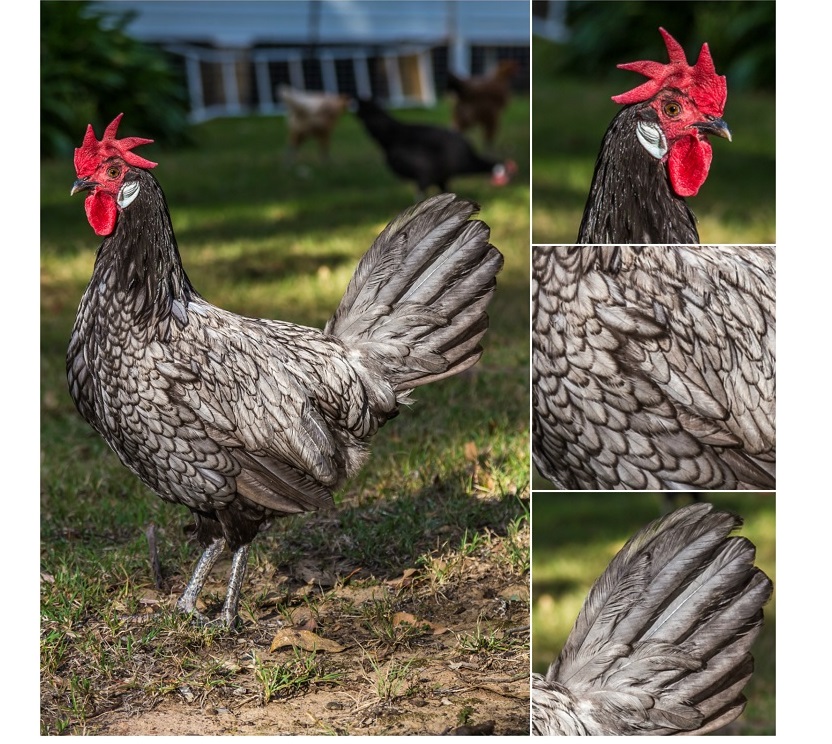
(228, 616)
(187, 602)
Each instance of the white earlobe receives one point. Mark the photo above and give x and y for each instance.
(652, 139)
(127, 193)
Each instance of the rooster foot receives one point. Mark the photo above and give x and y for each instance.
(228, 615)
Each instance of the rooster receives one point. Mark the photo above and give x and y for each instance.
(426, 154)
(662, 643)
(240, 419)
(656, 152)
(653, 367)
(311, 114)
(480, 101)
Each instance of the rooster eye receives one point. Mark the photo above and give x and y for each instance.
(112, 172)
(672, 108)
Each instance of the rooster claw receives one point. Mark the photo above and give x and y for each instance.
(225, 619)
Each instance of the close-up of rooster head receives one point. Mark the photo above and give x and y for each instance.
(677, 108)
(656, 152)
(103, 168)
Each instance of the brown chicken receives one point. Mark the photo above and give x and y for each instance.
(311, 114)
(480, 101)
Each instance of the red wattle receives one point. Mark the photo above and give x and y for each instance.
(101, 213)
(688, 165)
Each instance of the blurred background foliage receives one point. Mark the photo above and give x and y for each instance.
(89, 67)
(604, 34)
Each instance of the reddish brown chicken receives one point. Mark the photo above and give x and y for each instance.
(480, 101)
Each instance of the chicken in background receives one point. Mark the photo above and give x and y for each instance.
(656, 152)
(662, 644)
(481, 100)
(311, 115)
(653, 367)
(426, 154)
(240, 419)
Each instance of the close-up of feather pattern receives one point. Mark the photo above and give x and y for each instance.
(653, 367)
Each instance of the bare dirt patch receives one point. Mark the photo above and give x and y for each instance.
(434, 641)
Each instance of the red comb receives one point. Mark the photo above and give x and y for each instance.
(92, 152)
(700, 81)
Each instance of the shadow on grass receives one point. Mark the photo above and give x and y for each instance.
(383, 536)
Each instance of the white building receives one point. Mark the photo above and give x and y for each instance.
(236, 52)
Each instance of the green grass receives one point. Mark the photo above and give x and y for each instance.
(392, 680)
(488, 641)
(283, 679)
(569, 117)
(574, 537)
(448, 479)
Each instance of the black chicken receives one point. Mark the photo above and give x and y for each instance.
(427, 154)
(242, 419)
(656, 152)
(662, 643)
(653, 367)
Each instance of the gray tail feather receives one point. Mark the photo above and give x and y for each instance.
(416, 304)
(671, 620)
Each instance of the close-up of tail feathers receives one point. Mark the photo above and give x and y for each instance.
(662, 643)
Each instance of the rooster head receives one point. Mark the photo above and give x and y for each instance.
(101, 167)
(681, 105)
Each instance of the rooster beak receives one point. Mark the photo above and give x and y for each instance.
(82, 184)
(714, 126)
